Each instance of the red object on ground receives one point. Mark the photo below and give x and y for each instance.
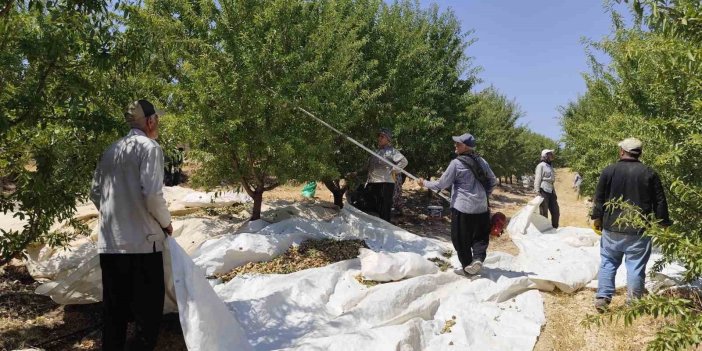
(498, 221)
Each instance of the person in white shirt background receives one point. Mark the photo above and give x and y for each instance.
(544, 180)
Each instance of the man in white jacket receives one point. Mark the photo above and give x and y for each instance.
(380, 186)
(127, 189)
(544, 180)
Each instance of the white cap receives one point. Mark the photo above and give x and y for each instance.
(631, 145)
(544, 152)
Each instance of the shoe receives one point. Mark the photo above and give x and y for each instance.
(602, 304)
(474, 267)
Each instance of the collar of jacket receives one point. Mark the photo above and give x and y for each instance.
(135, 131)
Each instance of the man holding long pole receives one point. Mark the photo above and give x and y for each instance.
(381, 175)
(373, 154)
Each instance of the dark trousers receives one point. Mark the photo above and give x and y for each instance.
(132, 289)
(550, 204)
(381, 198)
(176, 177)
(167, 176)
(470, 234)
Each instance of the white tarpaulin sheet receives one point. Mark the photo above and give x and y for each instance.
(206, 322)
(568, 258)
(329, 309)
(386, 267)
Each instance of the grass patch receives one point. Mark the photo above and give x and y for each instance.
(368, 283)
(447, 254)
(230, 212)
(564, 331)
(309, 254)
(442, 264)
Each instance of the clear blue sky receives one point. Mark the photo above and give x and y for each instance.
(531, 51)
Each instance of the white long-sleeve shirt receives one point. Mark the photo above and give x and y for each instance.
(128, 191)
(381, 172)
(544, 177)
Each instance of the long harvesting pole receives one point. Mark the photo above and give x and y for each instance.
(365, 148)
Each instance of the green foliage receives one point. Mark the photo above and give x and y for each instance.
(56, 99)
(510, 150)
(230, 74)
(422, 59)
(244, 68)
(67, 71)
(493, 120)
(358, 64)
(653, 305)
(651, 90)
(528, 153)
(681, 335)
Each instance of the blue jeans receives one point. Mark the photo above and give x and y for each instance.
(614, 246)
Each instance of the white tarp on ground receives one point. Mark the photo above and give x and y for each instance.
(568, 258)
(387, 267)
(329, 309)
(74, 274)
(206, 322)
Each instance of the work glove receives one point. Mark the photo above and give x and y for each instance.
(597, 224)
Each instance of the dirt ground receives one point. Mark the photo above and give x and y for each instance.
(28, 320)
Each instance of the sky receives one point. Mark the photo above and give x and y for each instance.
(532, 51)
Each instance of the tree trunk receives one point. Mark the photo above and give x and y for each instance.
(257, 202)
(499, 180)
(339, 198)
(337, 190)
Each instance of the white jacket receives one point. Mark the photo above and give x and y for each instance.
(544, 177)
(128, 191)
(381, 172)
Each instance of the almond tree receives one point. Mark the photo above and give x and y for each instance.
(651, 90)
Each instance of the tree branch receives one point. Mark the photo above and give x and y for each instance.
(5, 10)
(39, 91)
(244, 182)
(259, 179)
